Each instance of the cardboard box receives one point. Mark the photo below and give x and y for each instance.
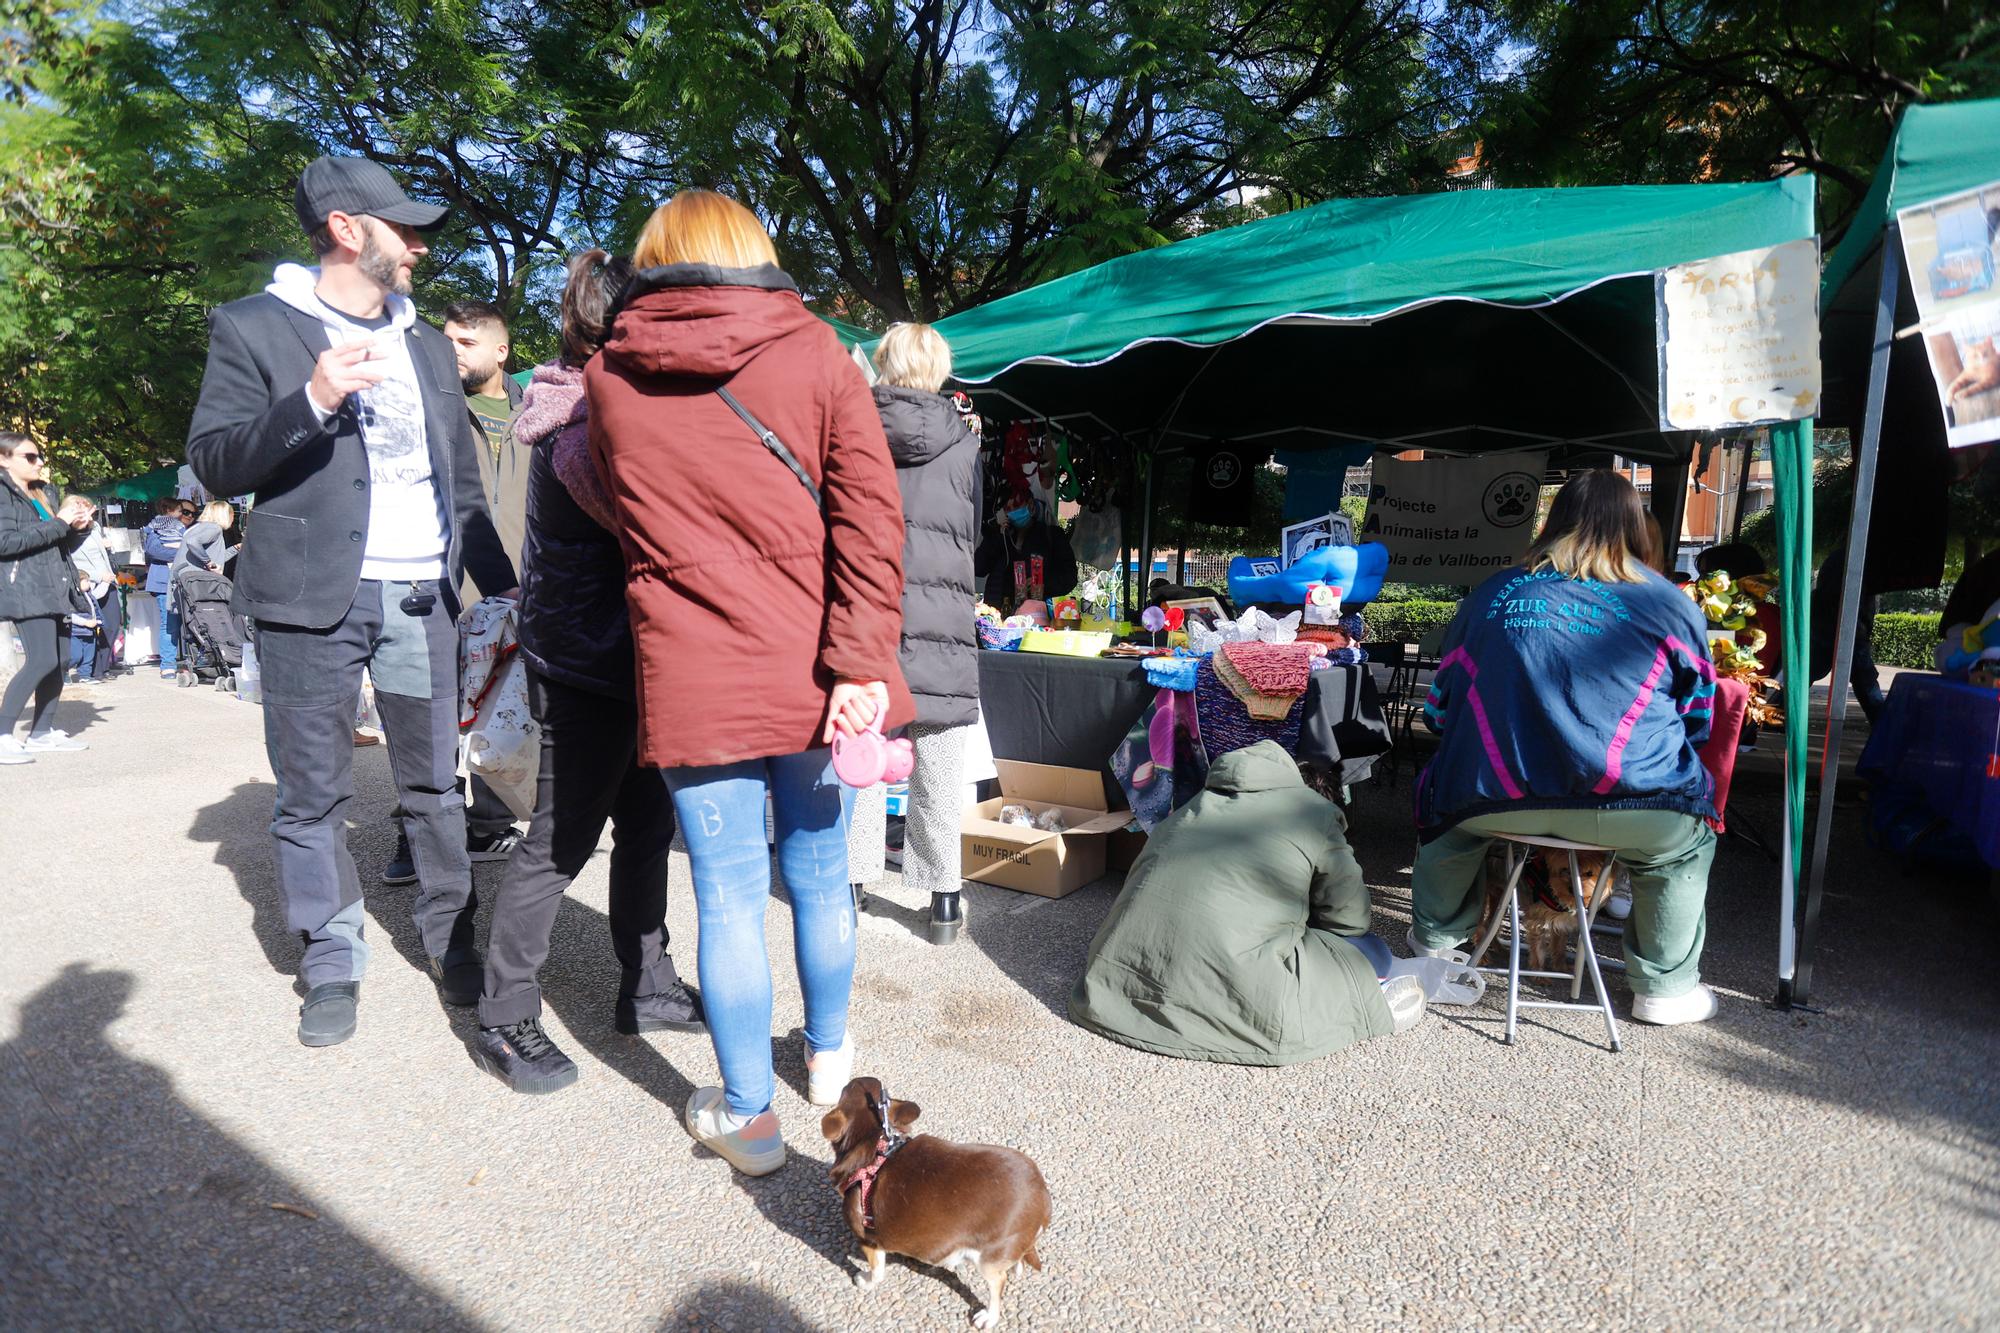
(1030, 860)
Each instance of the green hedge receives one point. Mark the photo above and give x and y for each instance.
(1901, 639)
(1406, 622)
(1905, 639)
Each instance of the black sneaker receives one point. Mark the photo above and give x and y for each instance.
(402, 867)
(458, 983)
(675, 1009)
(521, 1056)
(326, 1018)
(491, 846)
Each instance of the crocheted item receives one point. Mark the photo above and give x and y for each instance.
(1273, 668)
(1227, 725)
(1170, 673)
(1261, 706)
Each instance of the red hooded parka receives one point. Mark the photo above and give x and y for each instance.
(747, 604)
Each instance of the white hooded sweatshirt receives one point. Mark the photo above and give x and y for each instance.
(407, 532)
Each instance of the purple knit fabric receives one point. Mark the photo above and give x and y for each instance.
(554, 409)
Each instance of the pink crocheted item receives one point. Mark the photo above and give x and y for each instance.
(1280, 669)
(554, 409)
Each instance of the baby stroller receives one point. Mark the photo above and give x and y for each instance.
(212, 634)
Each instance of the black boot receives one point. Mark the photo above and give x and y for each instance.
(521, 1056)
(675, 1009)
(326, 1018)
(947, 918)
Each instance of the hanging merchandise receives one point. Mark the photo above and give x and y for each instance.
(1223, 491)
(1097, 537)
(1316, 479)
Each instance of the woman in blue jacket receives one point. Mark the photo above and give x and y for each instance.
(1570, 698)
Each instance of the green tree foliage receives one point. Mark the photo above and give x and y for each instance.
(1619, 91)
(912, 158)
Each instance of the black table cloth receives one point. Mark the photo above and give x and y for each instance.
(1042, 708)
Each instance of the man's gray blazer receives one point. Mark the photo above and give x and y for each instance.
(254, 430)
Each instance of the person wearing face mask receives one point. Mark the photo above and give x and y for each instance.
(1022, 532)
(36, 539)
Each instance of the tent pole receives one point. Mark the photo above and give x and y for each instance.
(1850, 605)
(1146, 526)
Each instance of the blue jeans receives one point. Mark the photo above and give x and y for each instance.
(721, 811)
(170, 631)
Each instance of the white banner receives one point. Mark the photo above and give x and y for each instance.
(1950, 247)
(1453, 520)
(1739, 338)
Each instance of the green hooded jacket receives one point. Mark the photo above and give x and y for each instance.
(1227, 941)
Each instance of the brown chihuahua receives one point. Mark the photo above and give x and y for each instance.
(934, 1201)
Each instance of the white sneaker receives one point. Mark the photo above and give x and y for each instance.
(11, 752)
(52, 740)
(755, 1148)
(1619, 905)
(827, 1073)
(1419, 951)
(1697, 1006)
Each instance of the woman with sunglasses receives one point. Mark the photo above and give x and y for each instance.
(35, 580)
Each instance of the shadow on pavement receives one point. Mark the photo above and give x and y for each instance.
(581, 986)
(121, 1206)
(733, 1306)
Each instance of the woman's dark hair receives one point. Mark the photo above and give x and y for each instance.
(1739, 558)
(1596, 530)
(10, 441)
(595, 281)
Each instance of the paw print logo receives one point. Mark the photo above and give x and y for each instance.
(1510, 499)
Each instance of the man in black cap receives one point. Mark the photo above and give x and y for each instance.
(330, 399)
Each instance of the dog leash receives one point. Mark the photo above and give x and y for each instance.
(886, 1146)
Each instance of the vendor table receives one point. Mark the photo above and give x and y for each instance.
(1043, 708)
(1940, 740)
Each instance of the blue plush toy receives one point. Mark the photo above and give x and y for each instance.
(1356, 570)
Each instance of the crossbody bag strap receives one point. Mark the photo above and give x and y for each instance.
(774, 444)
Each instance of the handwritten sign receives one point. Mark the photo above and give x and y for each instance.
(1739, 338)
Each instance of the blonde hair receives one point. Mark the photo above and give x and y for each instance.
(218, 512)
(1596, 530)
(913, 356)
(703, 227)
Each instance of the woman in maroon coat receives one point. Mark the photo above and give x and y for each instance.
(766, 614)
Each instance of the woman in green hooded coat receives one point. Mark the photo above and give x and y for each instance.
(1233, 939)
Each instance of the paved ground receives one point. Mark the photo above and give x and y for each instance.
(169, 1156)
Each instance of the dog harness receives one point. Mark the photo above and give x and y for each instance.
(886, 1147)
(1535, 879)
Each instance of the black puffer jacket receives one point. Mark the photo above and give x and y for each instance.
(937, 466)
(573, 625)
(35, 573)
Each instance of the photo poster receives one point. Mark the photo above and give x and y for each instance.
(1739, 338)
(1949, 246)
(1302, 539)
(1454, 520)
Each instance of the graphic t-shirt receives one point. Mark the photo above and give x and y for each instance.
(494, 413)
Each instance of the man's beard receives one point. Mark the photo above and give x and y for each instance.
(475, 380)
(380, 269)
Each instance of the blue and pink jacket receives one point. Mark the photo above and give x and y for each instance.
(1556, 693)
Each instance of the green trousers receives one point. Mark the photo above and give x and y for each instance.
(1668, 855)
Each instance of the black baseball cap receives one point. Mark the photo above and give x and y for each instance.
(357, 185)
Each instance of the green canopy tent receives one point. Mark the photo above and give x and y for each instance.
(146, 487)
(1469, 322)
(1871, 374)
